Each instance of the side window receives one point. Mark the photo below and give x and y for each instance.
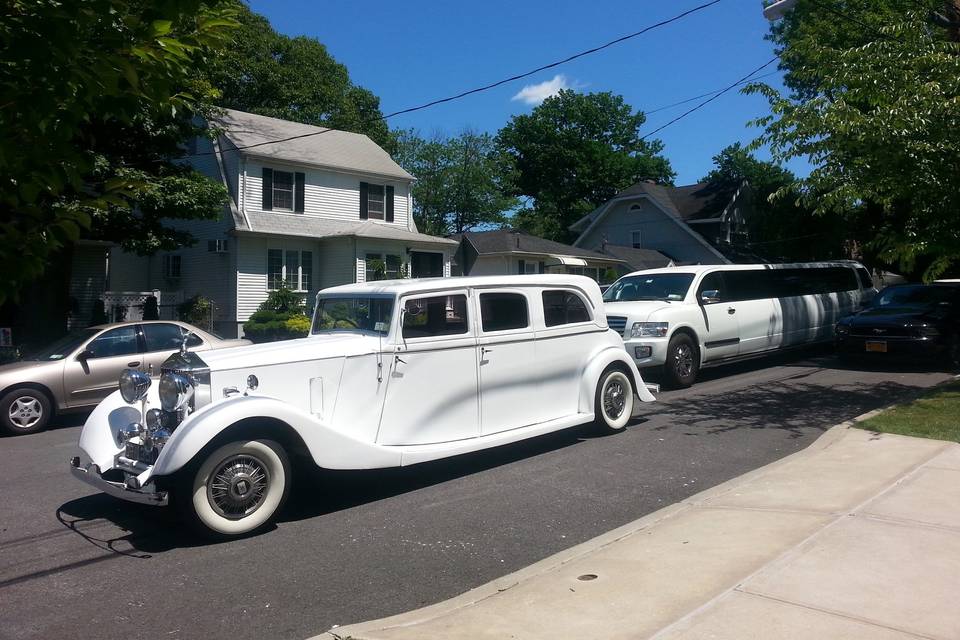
(756, 284)
(116, 342)
(503, 311)
(162, 337)
(563, 307)
(866, 282)
(435, 316)
(713, 282)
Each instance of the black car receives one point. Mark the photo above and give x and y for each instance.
(907, 322)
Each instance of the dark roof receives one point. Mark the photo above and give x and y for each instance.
(637, 259)
(513, 241)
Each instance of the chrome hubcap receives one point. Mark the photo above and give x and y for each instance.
(25, 412)
(238, 486)
(683, 361)
(614, 399)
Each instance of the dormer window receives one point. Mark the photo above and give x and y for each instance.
(283, 190)
(376, 201)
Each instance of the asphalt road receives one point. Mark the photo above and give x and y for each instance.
(355, 546)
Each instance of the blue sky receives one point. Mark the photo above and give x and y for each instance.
(412, 52)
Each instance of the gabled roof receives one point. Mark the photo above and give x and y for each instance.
(274, 223)
(330, 148)
(689, 202)
(502, 241)
(638, 259)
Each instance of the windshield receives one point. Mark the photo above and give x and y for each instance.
(353, 314)
(918, 296)
(62, 347)
(655, 286)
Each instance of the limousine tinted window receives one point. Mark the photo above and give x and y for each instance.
(563, 307)
(503, 311)
(435, 316)
(759, 284)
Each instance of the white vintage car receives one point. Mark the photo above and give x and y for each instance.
(393, 373)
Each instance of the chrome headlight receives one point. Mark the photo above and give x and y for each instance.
(649, 329)
(176, 390)
(134, 385)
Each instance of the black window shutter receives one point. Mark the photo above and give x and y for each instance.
(543, 268)
(388, 205)
(267, 189)
(298, 179)
(363, 200)
(522, 266)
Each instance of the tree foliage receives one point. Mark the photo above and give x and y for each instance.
(779, 228)
(294, 78)
(572, 153)
(97, 95)
(460, 181)
(875, 106)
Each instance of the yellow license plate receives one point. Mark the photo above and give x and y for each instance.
(877, 347)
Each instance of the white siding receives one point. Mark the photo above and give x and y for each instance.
(252, 270)
(327, 194)
(87, 275)
(336, 260)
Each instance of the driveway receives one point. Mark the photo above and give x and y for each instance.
(356, 546)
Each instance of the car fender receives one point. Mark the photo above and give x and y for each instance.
(329, 448)
(597, 363)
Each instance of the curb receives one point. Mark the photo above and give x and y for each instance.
(478, 594)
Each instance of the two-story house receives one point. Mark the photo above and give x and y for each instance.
(319, 208)
(692, 224)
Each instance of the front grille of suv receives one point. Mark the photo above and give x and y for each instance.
(617, 323)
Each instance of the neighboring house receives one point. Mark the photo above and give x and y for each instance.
(508, 251)
(693, 224)
(309, 212)
(637, 259)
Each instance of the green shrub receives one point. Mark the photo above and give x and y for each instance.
(98, 315)
(196, 311)
(283, 300)
(268, 326)
(151, 311)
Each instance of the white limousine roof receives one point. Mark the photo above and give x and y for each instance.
(426, 285)
(697, 269)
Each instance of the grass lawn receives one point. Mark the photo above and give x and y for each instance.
(935, 415)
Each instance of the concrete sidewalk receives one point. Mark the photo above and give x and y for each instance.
(857, 536)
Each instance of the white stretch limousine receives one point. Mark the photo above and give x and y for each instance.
(683, 318)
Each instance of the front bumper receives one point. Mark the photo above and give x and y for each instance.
(647, 352)
(90, 474)
(897, 347)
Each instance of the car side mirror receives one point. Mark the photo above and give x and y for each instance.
(84, 355)
(710, 296)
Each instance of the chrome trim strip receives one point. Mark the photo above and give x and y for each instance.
(90, 474)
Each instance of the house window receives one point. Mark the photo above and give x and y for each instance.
(292, 269)
(530, 267)
(380, 268)
(283, 190)
(171, 266)
(375, 201)
(635, 239)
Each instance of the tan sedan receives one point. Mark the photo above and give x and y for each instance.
(81, 369)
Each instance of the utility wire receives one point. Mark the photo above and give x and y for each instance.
(703, 95)
(486, 87)
(714, 97)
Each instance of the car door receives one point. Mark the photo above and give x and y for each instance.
(721, 336)
(92, 375)
(431, 394)
(161, 339)
(759, 312)
(509, 394)
(563, 348)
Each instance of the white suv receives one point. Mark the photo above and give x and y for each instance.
(683, 318)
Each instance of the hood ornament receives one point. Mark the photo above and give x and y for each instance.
(183, 343)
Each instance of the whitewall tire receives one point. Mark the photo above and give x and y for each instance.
(239, 487)
(613, 404)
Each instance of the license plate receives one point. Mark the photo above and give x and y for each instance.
(878, 346)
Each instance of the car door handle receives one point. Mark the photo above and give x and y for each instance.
(484, 351)
(731, 310)
(135, 363)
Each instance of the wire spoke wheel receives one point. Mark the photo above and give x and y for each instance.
(683, 360)
(238, 486)
(614, 398)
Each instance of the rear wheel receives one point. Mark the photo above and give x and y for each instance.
(24, 411)
(613, 403)
(683, 362)
(237, 489)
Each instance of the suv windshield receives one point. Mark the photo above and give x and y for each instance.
(655, 286)
(62, 347)
(352, 314)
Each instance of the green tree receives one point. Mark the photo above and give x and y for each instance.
(460, 181)
(779, 227)
(875, 105)
(571, 154)
(97, 96)
(296, 79)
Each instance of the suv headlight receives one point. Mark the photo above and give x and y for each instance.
(649, 329)
(176, 390)
(842, 329)
(134, 385)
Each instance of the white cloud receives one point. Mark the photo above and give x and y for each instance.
(537, 93)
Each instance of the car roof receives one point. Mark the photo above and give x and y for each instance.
(399, 287)
(697, 269)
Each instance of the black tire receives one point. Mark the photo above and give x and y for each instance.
(613, 400)
(221, 516)
(683, 362)
(24, 410)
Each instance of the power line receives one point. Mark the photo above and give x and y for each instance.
(703, 95)
(486, 87)
(711, 99)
